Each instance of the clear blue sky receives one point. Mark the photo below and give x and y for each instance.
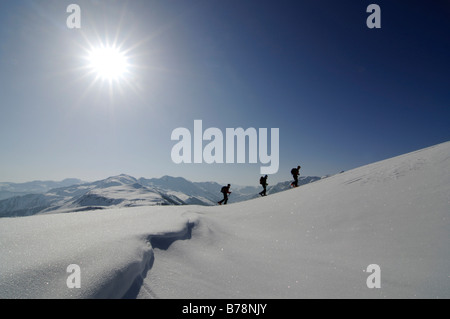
(342, 95)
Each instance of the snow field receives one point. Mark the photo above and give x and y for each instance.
(315, 241)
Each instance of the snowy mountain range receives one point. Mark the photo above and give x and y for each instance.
(8, 190)
(73, 195)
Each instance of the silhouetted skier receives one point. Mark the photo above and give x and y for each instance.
(225, 191)
(263, 182)
(295, 172)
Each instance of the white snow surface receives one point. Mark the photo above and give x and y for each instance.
(315, 241)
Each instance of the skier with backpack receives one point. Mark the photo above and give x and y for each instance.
(225, 191)
(295, 173)
(263, 182)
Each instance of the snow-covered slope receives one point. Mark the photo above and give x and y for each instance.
(191, 193)
(313, 241)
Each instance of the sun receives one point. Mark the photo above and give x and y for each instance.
(108, 63)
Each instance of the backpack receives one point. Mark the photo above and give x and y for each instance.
(294, 171)
(224, 190)
(261, 180)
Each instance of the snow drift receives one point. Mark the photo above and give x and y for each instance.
(315, 241)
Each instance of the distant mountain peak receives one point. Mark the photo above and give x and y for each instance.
(117, 180)
(172, 178)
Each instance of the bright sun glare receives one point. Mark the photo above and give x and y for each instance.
(108, 63)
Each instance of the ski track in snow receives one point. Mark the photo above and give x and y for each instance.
(311, 242)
